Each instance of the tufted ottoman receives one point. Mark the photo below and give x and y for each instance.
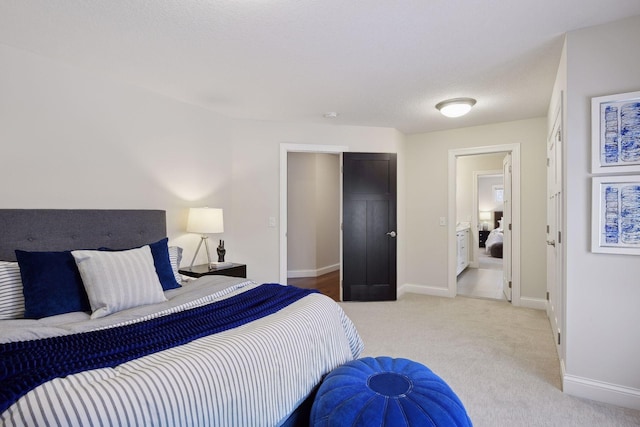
(386, 392)
(496, 250)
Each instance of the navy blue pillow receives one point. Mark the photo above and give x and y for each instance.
(160, 253)
(51, 284)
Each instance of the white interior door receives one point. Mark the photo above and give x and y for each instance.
(507, 228)
(554, 229)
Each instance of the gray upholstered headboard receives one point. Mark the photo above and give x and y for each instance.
(65, 229)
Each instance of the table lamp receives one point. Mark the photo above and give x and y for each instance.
(204, 221)
(484, 217)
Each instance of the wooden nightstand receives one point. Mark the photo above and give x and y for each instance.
(482, 237)
(235, 270)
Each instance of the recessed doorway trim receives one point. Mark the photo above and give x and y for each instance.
(514, 149)
(286, 148)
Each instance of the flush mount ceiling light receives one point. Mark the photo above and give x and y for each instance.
(330, 115)
(456, 107)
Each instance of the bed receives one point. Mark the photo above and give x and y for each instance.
(494, 242)
(212, 351)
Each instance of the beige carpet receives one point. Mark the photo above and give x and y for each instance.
(499, 359)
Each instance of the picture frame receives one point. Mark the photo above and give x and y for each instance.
(615, 133)
(615, 215)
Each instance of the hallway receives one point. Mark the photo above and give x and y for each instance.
(328, 284)
(482, 282)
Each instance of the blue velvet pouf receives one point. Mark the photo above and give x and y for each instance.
(386, 392)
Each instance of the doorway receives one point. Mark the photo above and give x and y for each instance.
(483, 278)
(376, 222)
(285, 149)
(313, 227)
(473, 220)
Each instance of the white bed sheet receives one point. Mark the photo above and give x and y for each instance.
(253, 375)
(495, 236)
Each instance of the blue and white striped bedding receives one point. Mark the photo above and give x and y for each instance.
(253, 375)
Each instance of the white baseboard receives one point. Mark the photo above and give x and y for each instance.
(599, 391)
(294, 274)
(537, 303)
(422, 289)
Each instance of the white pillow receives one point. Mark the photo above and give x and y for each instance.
(175, 256)
(11, 296)
(116, 281)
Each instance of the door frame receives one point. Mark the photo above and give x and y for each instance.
(514, 149)
(559, 307)
(507, 214)
(286, 148)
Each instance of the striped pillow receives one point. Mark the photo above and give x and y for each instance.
(175, 256)
(116, 281)
(11, 297)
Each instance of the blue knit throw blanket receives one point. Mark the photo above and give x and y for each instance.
(28, 364)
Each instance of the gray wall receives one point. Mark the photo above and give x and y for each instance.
(602, 290)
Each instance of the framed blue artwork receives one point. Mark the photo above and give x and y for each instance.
(615, 214)
(615, 133)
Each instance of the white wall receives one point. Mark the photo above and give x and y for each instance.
(602, 291)
(328, 212)
(426, 195)
(301, 213)
(76, 139)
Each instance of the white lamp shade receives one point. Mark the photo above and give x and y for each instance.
(484, 216)
(205, 221)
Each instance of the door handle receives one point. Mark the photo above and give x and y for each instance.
(392, 234)
(551, 243)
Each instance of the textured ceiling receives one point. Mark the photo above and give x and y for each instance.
(377, 62)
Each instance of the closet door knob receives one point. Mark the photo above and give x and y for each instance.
(392, 234)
